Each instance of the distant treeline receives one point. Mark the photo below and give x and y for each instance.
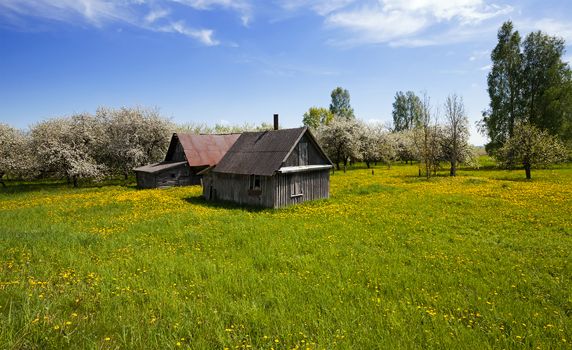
(84, 146)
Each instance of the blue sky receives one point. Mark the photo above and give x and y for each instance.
(241, 61)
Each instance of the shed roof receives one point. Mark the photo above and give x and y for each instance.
(261, 153)
(202, 150)
(156, 167)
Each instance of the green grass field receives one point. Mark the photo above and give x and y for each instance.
(480, 261)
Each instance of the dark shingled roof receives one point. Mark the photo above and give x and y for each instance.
(203, 150)
(259, 153)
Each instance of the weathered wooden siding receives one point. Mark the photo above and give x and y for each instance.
(314, 156)
(313, 185)
(235, 188)
(145, 180)
(179, 176)
(179, 154)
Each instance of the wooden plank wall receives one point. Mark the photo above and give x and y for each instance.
(235, 188)
(179, 154)
(314, 156)
(145, 180)
(314, 185)
(162, 179)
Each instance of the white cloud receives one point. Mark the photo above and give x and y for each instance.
(205, 36)
(321, 7)
(550, 26)
(94, 11)
(479, 55)
(486, 68)
(405, 23)
(157, 14)
(243, 7)
(377, 26)
(139, 13)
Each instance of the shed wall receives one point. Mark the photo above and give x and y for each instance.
(313, 185)
(314, 156)
(145, 180)
(236, 188)
(178, 176)
(179, 154)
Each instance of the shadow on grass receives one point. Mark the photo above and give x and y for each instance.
(15, 187)
(513, 179)
(200, 200)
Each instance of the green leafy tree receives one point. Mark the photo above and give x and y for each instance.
(547, 84)
(504, 88)
(406, 111)
(532, 147)
(340, 106)
(316, 116)
(528, 83)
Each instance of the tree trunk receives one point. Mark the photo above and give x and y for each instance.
(338, 165)
(367, 163)
(453, 168)
(2, 180)
(126, 174)
(75, 181)
(527, 171)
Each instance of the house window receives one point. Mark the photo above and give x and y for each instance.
(303, 153)
(173, 175)
(254, 182)
(295, 186)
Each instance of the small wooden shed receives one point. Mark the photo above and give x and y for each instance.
(188, 154)
(270, 169)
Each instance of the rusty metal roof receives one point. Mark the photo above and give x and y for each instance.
(259, 153)
(204, 150)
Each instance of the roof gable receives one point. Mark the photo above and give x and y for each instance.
(201, 150)
(261, 153)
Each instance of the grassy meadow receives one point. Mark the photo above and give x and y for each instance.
(391, 260)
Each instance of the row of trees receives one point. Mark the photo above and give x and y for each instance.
(416, 134)
(110, 142)
(113, 141)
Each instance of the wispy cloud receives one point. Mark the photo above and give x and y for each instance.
(403, 23)
(205, 36)
(243, 7)
(92, 11)
(551, 26)
(156, 14)
(321, 7)
(479, 55)
(153, 15)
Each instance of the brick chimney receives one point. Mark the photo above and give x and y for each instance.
(275, 121)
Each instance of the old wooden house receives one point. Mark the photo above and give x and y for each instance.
(188, 154)
(270, 169)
